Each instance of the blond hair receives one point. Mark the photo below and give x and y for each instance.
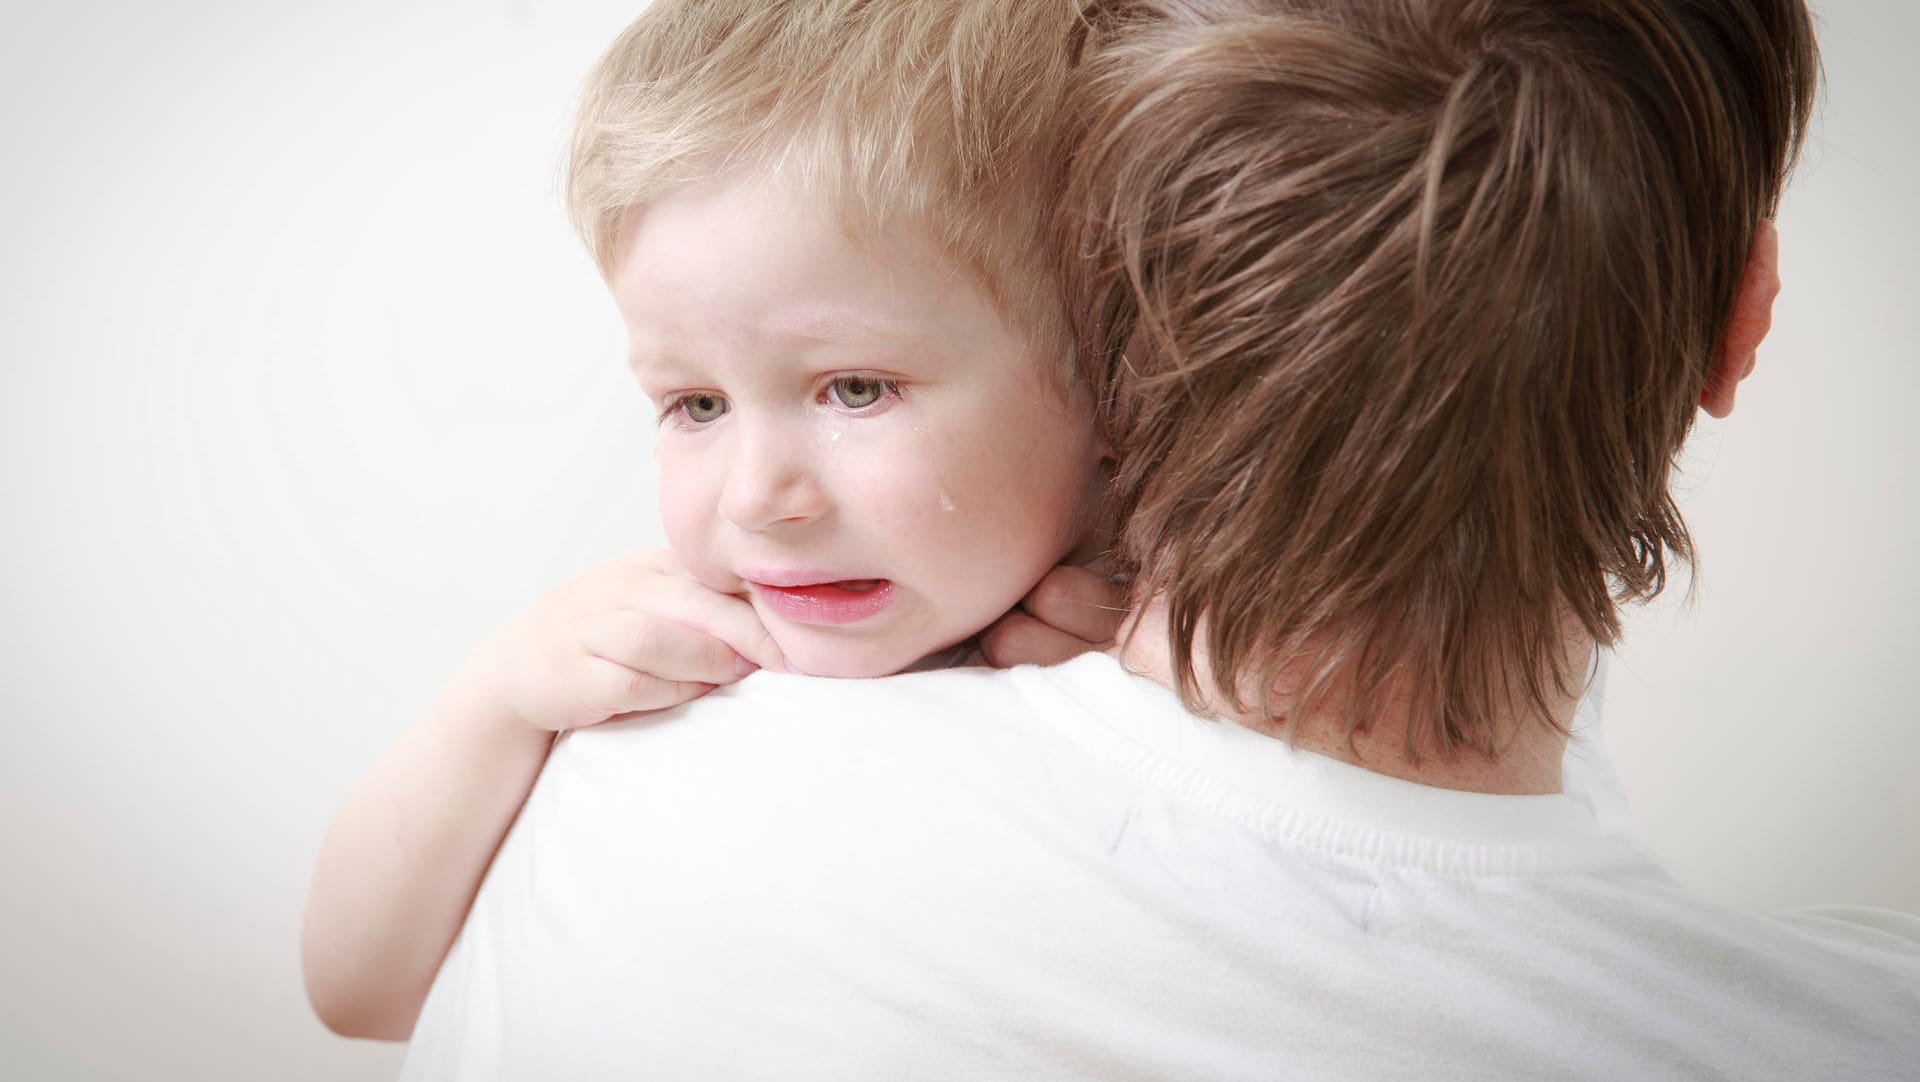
(944, 117)
(1399, 313)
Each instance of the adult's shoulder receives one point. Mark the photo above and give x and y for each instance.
(818, 740)
(784, 713)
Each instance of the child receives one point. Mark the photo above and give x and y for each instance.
(825, 226)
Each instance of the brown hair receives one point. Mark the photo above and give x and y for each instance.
(1399, 311)
(945, 117)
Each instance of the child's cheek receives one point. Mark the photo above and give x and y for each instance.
(909, 487)
(683, 495)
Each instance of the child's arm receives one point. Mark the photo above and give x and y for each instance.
(405, 855)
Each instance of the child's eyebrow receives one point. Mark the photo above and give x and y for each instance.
(801, 328)
(639, 360)
(838, 327)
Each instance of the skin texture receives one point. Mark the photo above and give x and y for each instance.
(842, 411)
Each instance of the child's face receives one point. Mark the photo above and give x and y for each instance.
(851, 437)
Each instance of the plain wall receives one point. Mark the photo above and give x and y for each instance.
(304, 385)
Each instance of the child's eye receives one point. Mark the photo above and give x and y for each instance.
(701, 407)
(860, 392)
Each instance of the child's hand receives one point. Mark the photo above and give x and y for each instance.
(634, 635)
(1069, 612)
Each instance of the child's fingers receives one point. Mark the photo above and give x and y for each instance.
(1019, 639)
(1079, 602)
(611, 690)
(661, 647)
(731, 620)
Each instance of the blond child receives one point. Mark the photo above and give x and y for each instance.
(825, 225)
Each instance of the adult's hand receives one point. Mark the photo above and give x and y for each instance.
(1071, 611)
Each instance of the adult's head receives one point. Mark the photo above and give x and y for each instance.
(1400, 311)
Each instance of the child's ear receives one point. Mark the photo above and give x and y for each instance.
(1747, 323)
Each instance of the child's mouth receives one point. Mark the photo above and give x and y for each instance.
(843, 601)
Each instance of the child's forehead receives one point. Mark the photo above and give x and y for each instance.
(774, 205)
(782, 263)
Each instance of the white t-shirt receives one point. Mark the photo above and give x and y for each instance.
(1059, 873)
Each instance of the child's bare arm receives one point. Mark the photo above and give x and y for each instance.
(405, 855)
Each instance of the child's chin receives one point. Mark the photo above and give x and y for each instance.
(843, 663)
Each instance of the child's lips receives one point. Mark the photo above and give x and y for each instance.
(840, 601)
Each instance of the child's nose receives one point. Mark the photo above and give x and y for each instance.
(769, 481)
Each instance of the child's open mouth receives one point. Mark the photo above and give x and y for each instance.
(843, 601)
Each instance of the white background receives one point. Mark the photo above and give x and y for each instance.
(304, 385)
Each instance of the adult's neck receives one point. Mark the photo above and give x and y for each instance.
(1529, 762)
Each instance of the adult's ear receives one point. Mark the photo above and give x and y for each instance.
(1747, 324)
